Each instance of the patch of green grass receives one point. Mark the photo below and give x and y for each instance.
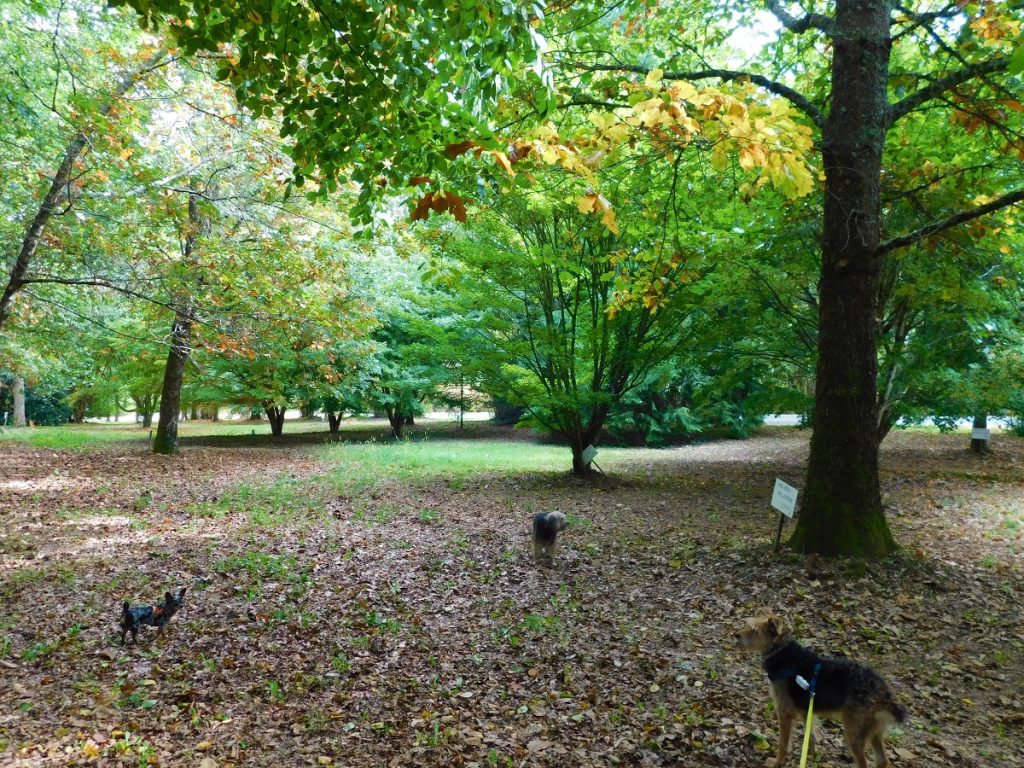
(76, 437)
(260, 565)
(283, 501)
(540, 624)
(428, 516)
(15, 581)
(362, 465)
(340, 662)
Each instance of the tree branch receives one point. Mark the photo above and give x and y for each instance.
(795, 98)
(940, 86)
(800, 25)
(919, 20)
(1010, 198)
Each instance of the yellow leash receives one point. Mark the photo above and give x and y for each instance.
(809, 687)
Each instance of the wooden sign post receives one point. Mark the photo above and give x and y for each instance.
(783, 500)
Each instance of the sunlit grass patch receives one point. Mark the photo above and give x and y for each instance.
(75, 437)
(361, 465)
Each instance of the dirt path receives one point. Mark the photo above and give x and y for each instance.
(406, 625)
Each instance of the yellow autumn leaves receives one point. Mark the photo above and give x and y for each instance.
(763, 136)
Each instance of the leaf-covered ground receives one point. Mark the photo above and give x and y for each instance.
(375, 605)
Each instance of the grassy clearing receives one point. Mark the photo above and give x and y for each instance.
(75, 437)
(362, 465)
(91, 435)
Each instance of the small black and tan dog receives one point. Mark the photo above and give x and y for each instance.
(546, 526)
(150, 615)
(845, 691)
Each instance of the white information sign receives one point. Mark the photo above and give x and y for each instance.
(784, 498)
(980, 434)
(589, 453)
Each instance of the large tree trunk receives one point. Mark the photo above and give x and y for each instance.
(166, 440)
(397, 421)
(275, 413)
(58, 187)
(581, 438)
(79, 409)
(841, 511)
(18, 418)
(334, 420)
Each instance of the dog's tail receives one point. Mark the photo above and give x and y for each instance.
(125, 607)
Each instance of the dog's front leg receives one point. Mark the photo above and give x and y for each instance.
(785, 731)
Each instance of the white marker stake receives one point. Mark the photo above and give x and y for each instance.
(589, 453)
(980, 434)
(784, 500)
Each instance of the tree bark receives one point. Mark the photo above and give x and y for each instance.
(841, 509)
(980, 422)
(579, 440)
(18, 418)
(334, 420)
(397, 421)
(58, 186)
(79, 409)
(275, 414)
(166, 440)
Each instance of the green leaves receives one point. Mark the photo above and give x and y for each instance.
(370, 91)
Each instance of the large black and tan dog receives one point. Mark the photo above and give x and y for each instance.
(845, 691)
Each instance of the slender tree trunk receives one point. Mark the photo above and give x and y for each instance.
(841, 509)
(334, 420)
(980, 422)
(147, 419)
(18, 418)
(166, 440)
(307, 410)
(58, 187)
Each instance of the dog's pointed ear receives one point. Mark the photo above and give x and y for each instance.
(776, 628)
(168, 597)
(181, 592)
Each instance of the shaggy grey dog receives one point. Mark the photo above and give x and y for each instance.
(546, 526)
